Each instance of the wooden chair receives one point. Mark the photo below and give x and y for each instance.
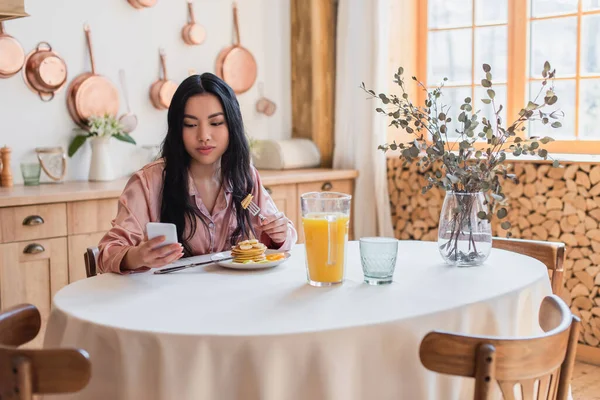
(541, 365)
(552, 254)
(91, 259)
(24, 373)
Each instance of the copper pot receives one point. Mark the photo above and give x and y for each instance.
(235, 64)
(193, 33)
(139, 4)
(45, 73)
(162, 91)
(91, 94)
(13, 55)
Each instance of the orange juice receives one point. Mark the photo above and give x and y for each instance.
(326, 235)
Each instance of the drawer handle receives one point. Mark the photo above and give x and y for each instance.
(268, 189)
(34, 248)
(33, 220)
(327, 186)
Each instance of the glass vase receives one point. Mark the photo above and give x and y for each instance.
(463, 238)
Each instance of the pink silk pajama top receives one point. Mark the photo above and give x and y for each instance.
(140, 203)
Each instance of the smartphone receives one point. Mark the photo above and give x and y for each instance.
(169, 231)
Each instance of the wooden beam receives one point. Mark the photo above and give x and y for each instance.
(313, 73)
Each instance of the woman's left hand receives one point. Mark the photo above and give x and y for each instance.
(276, 226)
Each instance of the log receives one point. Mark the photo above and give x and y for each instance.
(566, 226)
(571, 186)
(529, 190)
(568, 239)
(524, 222)
(581, 265)
(575, 254)
(582, 179)
(571, 283)
(595, 190)
(585, 167)
(590, 204)
(540, 231)
(585, 279)
(536, 219)
(595, 175)
(556, 173)
(592, 271)
(582, 302)
(553, 204)
(570, 171)
(554, 214)
(569, 209)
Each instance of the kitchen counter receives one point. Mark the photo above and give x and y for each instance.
(83, 190)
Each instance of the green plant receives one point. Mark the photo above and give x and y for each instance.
(105, 126)
(472, 161)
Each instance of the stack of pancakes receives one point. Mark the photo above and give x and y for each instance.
(248, 251)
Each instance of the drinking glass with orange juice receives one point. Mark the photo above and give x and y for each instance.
(325, 219)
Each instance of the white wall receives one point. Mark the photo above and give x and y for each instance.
(124, 37)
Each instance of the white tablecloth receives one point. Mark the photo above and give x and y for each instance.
(213, 333)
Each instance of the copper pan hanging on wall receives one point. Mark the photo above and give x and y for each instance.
(193, 33)
(12, 55)
(90, 94)
(235, 64)
(139, 4)
(162, 90)
(45, 72)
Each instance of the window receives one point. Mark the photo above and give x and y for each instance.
(515, 37)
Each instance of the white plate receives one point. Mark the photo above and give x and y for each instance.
(232, 265)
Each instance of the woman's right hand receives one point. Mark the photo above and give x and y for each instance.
(149, 254)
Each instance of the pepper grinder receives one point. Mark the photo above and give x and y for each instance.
(6, 178)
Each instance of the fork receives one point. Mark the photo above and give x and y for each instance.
(255, 211)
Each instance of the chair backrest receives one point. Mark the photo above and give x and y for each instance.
(552, 254)
(91, 260)
(24, 373)
(541, 367)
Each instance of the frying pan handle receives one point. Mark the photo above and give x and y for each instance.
(46, 99)
(89, 43)
(164, 64)
(191, 12)
(39, 46)
(237, 39)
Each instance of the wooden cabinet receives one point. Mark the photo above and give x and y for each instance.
(32, 272)
(91, 216)
(285, 198)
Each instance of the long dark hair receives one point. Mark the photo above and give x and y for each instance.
(175, 206)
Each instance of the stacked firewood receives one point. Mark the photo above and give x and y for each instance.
(551, 204)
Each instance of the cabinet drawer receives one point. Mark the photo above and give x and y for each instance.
(341, 186)
(91, 216)
(33, 222)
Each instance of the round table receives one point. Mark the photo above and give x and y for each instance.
(214, 333)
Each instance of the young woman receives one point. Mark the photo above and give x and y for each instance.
(198, 185)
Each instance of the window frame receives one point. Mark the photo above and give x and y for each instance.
(518, 77)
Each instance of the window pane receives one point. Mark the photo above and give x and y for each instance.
(589, 109)
(551, 7)
(491, 46)
(565, 90)
(491, 12)
(591, 5)
(590, 44)
(487, 110)
(450, 13)
(554, 40)
(452, 99)
(449, 55)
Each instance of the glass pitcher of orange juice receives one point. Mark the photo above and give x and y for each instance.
(325, 219)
